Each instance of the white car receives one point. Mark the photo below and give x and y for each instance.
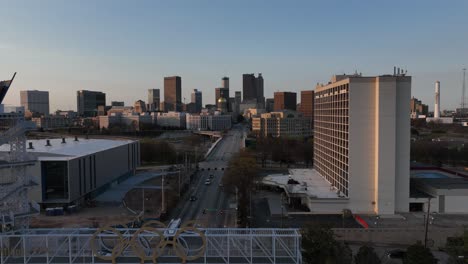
(207, 182)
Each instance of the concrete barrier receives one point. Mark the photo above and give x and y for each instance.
(213, 146)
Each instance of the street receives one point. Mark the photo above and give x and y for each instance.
(211, 207)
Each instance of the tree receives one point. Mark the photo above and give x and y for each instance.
(455, 247)
(239, 178)
(366, 255)
(418, 254)
(320, 247)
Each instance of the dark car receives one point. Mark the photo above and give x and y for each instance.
(211, 176)
(396, 254)
(193, 198)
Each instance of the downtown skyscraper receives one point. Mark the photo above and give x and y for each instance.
(252, 88)
(173, 93)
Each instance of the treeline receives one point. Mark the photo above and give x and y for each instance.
(161, 152)
(285, 150)
(438, 153)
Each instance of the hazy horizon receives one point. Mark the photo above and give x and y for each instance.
(125, 48)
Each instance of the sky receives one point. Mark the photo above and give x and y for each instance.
(125, 48)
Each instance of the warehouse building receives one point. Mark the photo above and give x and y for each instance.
(71, 170)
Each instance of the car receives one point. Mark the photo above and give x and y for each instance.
(396, 254)
(221, 185)
(211, 176)
(193, 198)
(207, 182)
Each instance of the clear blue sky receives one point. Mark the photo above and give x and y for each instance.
(126, 47)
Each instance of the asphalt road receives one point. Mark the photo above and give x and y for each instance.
(211, 198)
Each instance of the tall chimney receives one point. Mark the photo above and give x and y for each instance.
(48, 143)
(30, 145)
(437, 100)
(394, 70)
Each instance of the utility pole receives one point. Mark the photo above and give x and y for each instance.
(426, 229)
(179, 183)
(463, 103)
(143, 198)
(162, 195)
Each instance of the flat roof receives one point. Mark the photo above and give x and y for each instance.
(71, 148)
(310, 181)
(444, 183)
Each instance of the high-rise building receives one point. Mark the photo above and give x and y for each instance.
(197, 100)
(269, 105)
(285, 101)
(154, 99)
(88, 102)
(225, 83)
(139, 106)
(237, 101)
(260, 91)
(362, 140)
(173, 93)
(307, 104)
(253, 89)
(35, 101)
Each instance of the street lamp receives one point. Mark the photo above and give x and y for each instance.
(282, 216)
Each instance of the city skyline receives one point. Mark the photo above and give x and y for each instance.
(123, 49)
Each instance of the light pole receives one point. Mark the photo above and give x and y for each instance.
(162, 195)
(426, 229)
(281, 216)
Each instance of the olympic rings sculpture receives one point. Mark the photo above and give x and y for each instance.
(163, 243)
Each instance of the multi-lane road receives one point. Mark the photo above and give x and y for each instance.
(211, 206)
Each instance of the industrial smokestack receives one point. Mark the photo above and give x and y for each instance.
(437, 100)
(394, 70)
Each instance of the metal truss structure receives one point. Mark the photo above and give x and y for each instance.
(15, 207)
(128, 245)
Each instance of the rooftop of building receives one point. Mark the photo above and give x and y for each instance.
(309, 182)
(71, 148)
(444, 183)
(345, 78)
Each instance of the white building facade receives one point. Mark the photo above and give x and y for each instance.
(362, 141)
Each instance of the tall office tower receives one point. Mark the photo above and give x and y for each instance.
(307, 104)
(249, 87)
(237, 101)
(139, 106)
(225, 83)
(260, 91)
(173, 93)
(88, 102)
(154, 99)
(253, 89)
(285, 101)
(197, 100)
(362, 139)
(269, 105)
(437, 100)
(35, 101)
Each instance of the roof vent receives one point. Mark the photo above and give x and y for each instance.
(48, 143)
(30, 145)
(63, 141)
(76, 138)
